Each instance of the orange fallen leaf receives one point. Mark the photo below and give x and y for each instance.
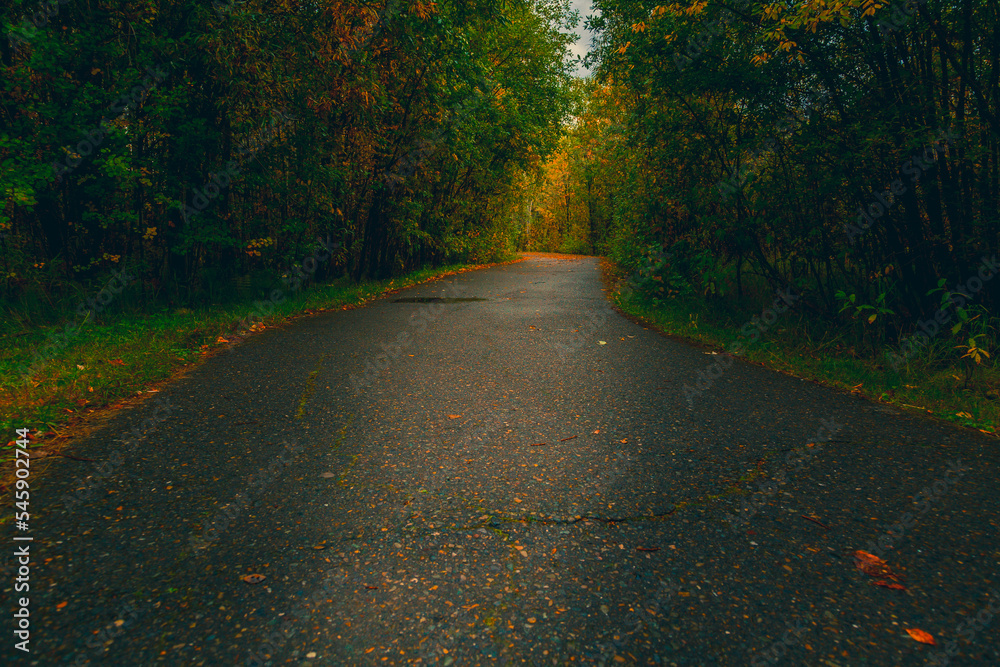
(454, 416)
(921, 636)
(253, 578)
(890, 584)
(872, 565)
(116, 362)
(61, 605)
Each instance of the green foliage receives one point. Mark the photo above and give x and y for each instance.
(183, 136)
(775, 145)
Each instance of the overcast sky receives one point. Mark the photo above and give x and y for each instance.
(583, 43)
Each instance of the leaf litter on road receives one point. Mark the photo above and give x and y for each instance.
(874, 566)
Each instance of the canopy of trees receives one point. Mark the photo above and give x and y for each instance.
(208, 145)
(846, 148)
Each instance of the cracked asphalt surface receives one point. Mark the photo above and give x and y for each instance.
(446, 481)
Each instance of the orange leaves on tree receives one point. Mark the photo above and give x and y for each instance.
(424, 10)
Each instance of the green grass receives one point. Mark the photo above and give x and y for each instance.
(103, 364)
(933, 384)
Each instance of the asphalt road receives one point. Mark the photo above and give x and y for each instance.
(512, 474)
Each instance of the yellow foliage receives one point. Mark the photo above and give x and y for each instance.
(424, 10)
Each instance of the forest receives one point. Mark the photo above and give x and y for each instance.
(718, 153)
(208, 147)
(847, 150)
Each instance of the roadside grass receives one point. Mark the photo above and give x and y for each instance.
(108, 362)
(933, 383)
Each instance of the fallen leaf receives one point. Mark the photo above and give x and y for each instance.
(328, 475)
(921, 636)
(963, 414)
(220, 339)
(79, 366)
(873, 566)
(890, 584)
(253, 578)
(371, 588)
(454, 416)
(601, 342)
(116, 362)
(61, 605)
